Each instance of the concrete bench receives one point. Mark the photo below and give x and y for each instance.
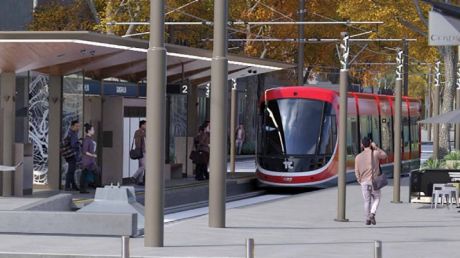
(53, 215)
(173, 171)
(58, 202)
(176, 170)
(68, 223)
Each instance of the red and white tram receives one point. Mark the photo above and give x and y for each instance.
(297, 134)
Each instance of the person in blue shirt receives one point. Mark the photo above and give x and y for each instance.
(72, 162)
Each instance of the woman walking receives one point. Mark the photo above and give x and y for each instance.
(89, 156)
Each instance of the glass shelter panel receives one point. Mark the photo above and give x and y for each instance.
(72, 108)
(38, 124)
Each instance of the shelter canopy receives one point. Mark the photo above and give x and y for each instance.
(452, 117)
(102, 56)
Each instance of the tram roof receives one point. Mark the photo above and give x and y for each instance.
(103, 56)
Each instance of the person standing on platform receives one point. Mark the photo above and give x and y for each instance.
(139, 143)
(366, 165)
(240, 137)
(89, 156)
(201, 143)
(72, 136)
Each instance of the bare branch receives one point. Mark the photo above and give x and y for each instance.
(92, 7)
(412, 26)
(420, 13)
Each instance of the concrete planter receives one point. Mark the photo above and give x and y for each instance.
(452, 163)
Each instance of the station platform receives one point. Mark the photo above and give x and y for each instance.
(186, 193)
(298, 226)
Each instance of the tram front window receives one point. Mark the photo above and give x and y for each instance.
(299, 129)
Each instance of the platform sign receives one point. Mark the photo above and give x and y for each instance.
(142, 90)
(181, 89)
(92, 87)
(120, 89)
(443, 30)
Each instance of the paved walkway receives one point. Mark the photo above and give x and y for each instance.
(298, 226)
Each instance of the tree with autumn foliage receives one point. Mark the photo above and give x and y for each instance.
(54, 15)
(407, 19)
(319, 58)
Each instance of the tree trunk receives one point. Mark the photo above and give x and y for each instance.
(109, 16)
(450, 57)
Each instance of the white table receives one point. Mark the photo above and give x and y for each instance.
(7, 168)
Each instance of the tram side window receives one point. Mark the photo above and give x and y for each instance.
(414, 134)
(365, 127)
(328, 136)
(387, 137)
(376, 130)
(406, 134)
(273, 137)
(352, 137)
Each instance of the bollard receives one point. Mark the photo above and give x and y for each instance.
(125, 247)
(377, 249)
(249, 248)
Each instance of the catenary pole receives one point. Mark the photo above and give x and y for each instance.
(342, 173)
(300, 45)
(437, 83)
(430, 106)
(233, 112)
(457, 126)
(219, 84)
(397, 128)
(155, 140)
(406, 67)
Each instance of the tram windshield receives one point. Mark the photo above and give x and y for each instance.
(298, 127)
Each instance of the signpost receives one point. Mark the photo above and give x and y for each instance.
(443, 30)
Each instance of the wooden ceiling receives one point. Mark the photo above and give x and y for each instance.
(102, 56)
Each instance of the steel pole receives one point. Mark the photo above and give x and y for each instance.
(436, 126)
(250, 248)
(233, 130)
(377, 249)
(219, 82)
(406, 67)
(155, 141)
(457, 126)
(342, 173)
(430, 107)
(300, 45)
(397, 142)
(125, 247)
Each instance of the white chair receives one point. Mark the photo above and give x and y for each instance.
(453, 193)
(439, 192)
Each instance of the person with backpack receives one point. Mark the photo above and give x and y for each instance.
(89, 165)
(139, 144)
(366, 167)
(72, 160)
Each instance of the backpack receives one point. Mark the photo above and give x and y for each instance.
(66, 149)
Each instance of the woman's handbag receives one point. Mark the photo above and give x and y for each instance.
(378, 181)
(193, 156)
(202, 157)
(136, 153)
